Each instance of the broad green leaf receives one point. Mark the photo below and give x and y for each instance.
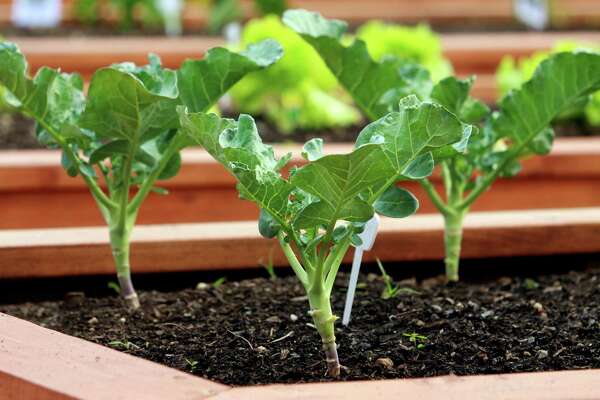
(239, 148)
(452, 93)
(205, 129)
(337, 180)
(368, 82)
(121, 107)
(417, 129)
(396, 202)
(559, 82)
(54, 99)
(202, 82)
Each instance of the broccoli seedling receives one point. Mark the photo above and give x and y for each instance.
(124, 135)
(317, 212)
(493, 143)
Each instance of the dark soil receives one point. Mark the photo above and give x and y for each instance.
(257, 330)
(17, 132)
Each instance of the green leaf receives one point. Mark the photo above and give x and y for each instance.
(205, 129)
(116, 147)
(418, 128)
(369, 82)
(559, 82)
(337, 180)
(313, 149)
(172, 168)
(239, 148)
(68, 165)
(54, 99)
(121, 107)
(268, 227)
(202, 82)
(452, 93)
(396, 202)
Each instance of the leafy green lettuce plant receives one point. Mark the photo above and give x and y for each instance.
(318, 210)
(298, 92)
(512, 73)
(124, 135)
(519, 129)
(418, 44)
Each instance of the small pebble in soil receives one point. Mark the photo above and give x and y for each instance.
(384, 362)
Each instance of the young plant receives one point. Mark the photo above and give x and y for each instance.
(318, 210)
(124, 135)
(519, 129)
(391, 290)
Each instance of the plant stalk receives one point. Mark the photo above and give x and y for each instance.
(324, 322)
(120, 245)
(453, 239)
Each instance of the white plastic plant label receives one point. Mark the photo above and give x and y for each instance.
(36, 13)
(171, 12)
(533, 13)
(368, 239)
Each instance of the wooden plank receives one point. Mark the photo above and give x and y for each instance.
(470, 53)
(235, 245)
(34, 190)
(566, 13)
(573, 385)
(38, 363)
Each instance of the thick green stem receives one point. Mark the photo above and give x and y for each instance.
(324, 322)
(120, 244)
(453, 240)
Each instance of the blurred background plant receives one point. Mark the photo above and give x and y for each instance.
(151, 12)
(414, 44)
(512, 73)
(299, 91)
(223, 12)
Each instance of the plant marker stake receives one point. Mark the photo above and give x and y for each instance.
(368, 238)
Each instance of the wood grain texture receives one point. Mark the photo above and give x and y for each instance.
(572, 385)
(41, 364)
(565, 13)
(470, 53)
(36, 193)
(38, 363)
(237, 245)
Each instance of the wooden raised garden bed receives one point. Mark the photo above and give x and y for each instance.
(30, 253)
(38, 363)
(34, 189)
(566, 13)
(470, 53)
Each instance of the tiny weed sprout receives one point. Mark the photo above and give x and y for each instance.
(392, 290)
(493, 143)
(416, 339)
(124, 136)
(317, 211)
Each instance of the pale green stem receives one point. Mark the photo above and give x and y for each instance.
(293, 260)
(491, 177)
(453, 240)
(434, 196)
(324, 321)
